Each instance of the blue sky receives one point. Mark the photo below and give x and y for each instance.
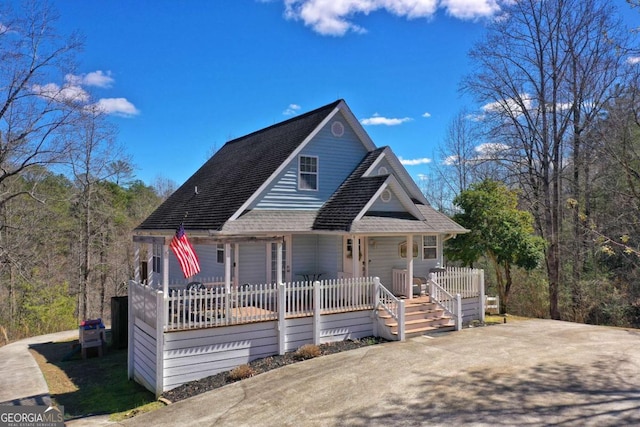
(180, 78)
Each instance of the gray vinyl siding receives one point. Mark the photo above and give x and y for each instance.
(382, 163)
(337, 158)
(304, 255)
(385, 163)
(384, 256)
(316, 254)
(252, 263)
(208, 266)
(392, 205)
(329, 256)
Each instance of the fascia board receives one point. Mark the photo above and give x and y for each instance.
(357, 127)
(374, 165)
(397, 189)
(404, 176)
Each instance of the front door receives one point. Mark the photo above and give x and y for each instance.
(347, 259)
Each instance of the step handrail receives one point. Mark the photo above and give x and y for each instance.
(391, 304)
(450, 303)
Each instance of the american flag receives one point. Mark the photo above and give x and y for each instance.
(185, 253)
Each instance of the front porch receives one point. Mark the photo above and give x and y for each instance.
(192, 332)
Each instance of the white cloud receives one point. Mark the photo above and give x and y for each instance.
(426, 115)
(66, 93)
(451, 160)
(414, 162)
(291, 110)
(73, 91)
(332, 18)
(377, 120)
(117, 106)
(99, 79)
(470, 9)
(491, 148)
(95, 78)
(335, 17)
(475, 117)
(511, 106)
(633, 60)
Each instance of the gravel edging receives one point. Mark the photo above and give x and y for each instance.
(259, 366)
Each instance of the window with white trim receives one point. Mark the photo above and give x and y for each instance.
(308, 173)
(429, 247)
(220, 253)
(157, 258)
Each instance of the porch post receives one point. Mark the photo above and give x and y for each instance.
(165, 269)
(282, 319)
(282, 302)
(136, 262)
(227, 267)
(409, 279)
(236, 264)
(150, 274)
(376, 302)
(164, 309)
(227, 282)
(160, 322)
(355, 256)
(279, 262)
(316, 313)
(131, 289)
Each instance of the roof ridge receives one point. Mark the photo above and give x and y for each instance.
(286, 122)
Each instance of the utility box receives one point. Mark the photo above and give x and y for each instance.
(92, 335)
(119, 322)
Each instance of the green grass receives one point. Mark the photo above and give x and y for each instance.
(492, 319)
(93, 386)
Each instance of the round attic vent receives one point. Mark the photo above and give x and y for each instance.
(383, 171)
(337, 129)
(385, 196)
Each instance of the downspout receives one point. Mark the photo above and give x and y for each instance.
(441, 252)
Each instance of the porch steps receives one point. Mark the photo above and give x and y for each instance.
(421, 317)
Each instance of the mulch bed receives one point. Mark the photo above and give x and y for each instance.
(259, 366)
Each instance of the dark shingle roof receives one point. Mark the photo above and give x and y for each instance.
(233, 175)
(351, 197)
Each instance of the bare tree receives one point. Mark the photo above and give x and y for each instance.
(33, 114)
(545, 71)
(93, 152)
(33, 111)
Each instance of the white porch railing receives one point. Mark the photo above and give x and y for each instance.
(207, 281)
(455, 280)
(211, 305)
(460, 280)
(144, 302)
(451, 304)
(392, 305)
(399, 282)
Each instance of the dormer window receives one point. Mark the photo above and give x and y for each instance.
(308, 173)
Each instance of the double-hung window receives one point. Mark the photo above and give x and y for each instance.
(429, 247)
(308, 173)
(220, 253)
(157, 259)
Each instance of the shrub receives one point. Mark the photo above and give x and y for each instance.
(241, 372)
(308, 351)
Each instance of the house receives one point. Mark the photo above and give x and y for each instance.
(310, 204)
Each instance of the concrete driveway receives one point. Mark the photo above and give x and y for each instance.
(528, 373)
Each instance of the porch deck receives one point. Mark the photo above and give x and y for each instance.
(186, 335)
